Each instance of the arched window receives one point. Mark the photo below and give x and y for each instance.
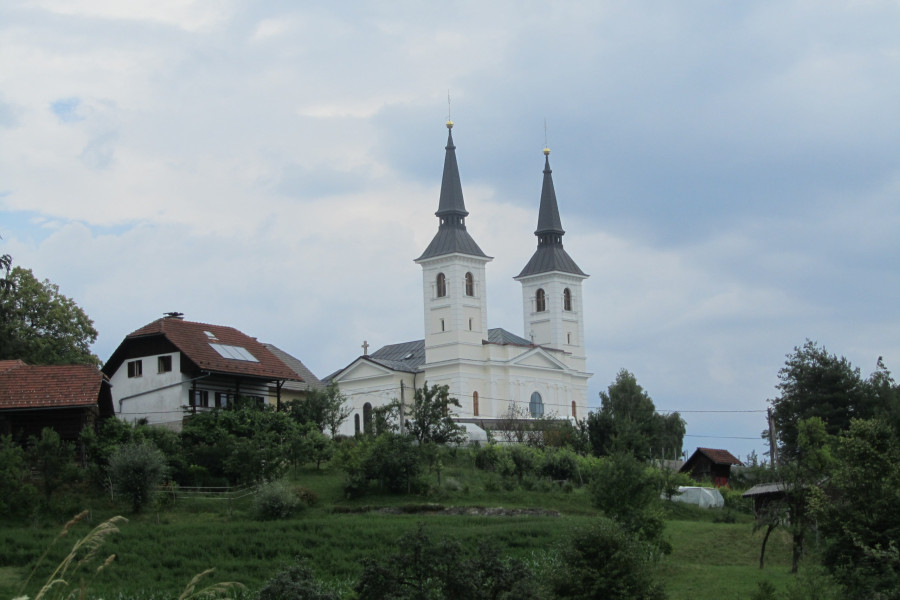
(536, 406)
(540, 301)
(574, 410)
(470, 284)
(441, 285)
(356, 423)
(567, 299)
(475, 403)
(367, 418)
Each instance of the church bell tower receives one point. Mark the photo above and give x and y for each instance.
(551, 284)
(453, 276)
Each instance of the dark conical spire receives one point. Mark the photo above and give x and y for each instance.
(451, 202)
(550, 254)
(452, 236)
(548, 216)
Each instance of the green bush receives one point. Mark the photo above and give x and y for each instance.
(295, 582)
(136, 470)
(274, 500)
(487, 457)
(18, 495)
(559, 464)
(605, 561)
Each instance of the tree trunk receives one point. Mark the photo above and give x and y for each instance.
(762, 551)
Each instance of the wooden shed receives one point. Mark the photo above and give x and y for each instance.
(710, 464)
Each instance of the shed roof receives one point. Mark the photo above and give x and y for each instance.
(24, 386)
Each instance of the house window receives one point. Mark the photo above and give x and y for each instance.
(540, 302)
(135, 368)
(470, 284)
(164, 363)
(367, 418)
(224, 400)
(475, 403)
(536, 406)
(441, 285)
(198, 398)
(574, 410)
(567, 299)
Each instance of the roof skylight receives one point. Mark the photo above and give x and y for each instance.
(234, 352)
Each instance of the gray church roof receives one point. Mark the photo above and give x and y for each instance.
(550, 255)
(452, 236)
(503, 337)
(406, 356)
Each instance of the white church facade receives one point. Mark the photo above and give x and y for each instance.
(488, 370)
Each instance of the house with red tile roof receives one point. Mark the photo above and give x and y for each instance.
(172, 367)
(711, 464)
(64, 397)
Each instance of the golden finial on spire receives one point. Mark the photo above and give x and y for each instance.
(546, 145)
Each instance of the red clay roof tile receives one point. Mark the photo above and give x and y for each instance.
(31, 386)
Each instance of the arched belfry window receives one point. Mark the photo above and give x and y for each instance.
(574, 410)
(441, 285)
(540, 301)
(567, 299)
(536, 406)
(470, 284)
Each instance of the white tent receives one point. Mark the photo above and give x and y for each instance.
(701, 496)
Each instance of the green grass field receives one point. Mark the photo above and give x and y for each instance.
(158, 552)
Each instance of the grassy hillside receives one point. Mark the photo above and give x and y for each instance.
(158, 552)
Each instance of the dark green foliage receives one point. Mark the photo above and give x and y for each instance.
(136, 469)
(39, 325)
(857, 512)
(242, 445)
(424, 569)
(295, 582)
(605, 562)
(429, 418)
(627, 422)
(18, 494)
(814, 383)
(392, 460)
(628, 492)
(560, 464)
(53, 459)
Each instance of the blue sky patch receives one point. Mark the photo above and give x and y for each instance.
(67, 109)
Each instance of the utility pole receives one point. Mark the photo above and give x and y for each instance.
(402, 407)
(772, 453)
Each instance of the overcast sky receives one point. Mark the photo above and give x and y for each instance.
(727, 173)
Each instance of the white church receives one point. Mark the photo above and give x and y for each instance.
(488, 370)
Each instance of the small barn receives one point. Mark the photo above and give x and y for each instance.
(64, 397)
(765, 495)
(710, 464)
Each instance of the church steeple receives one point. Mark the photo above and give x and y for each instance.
(550, 255)
(551, 284)
(452, 236)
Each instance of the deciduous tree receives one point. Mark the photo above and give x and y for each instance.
(40, 325)
(430, 421)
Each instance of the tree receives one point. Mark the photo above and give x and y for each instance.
(18, 495)
(627, 422)
(814, 383)
(856, 511)
(136, 470)
(326, 409)
(53, 459)
(429, 417)
(605, 561)
(39, 325)
(627, 491)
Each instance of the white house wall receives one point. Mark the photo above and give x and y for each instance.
(134, 398)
